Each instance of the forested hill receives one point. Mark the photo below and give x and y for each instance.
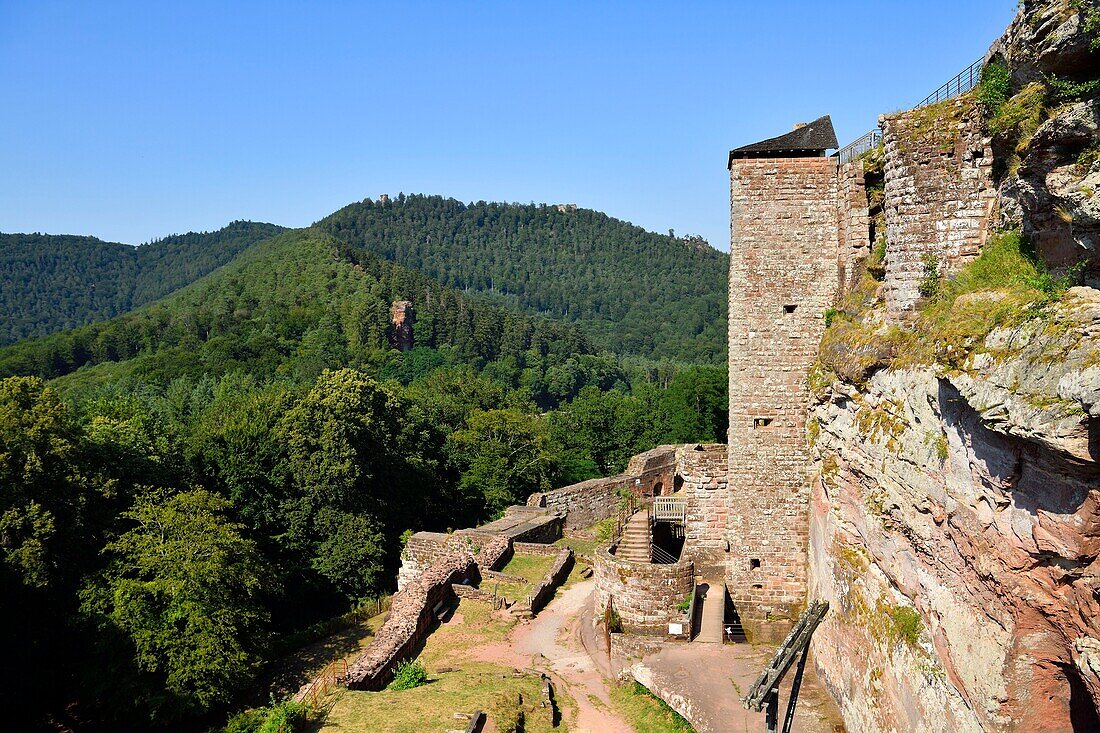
(632, 291)
(50, 283)
(302, 302)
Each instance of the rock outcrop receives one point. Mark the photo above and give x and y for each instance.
(1050, 190)
(956, 529)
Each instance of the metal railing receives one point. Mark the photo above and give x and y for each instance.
(661, 557)
(956, 86)
(859, 146)
(961, 83)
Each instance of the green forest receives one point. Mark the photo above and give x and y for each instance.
(190, 485)
(631, 291)
(50, 283)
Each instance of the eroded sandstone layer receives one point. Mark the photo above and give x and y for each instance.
(956, 528)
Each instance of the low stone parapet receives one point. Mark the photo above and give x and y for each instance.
(644, 595)
(544, 591)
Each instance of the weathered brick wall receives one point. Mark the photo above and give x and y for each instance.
(939, 194)
(783, 276)
(644, 595)
(853, 223)
(703, 470)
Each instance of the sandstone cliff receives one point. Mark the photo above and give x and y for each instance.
(955, 519)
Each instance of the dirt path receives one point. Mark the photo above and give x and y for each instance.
(552, 643)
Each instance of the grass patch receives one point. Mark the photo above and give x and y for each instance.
(531, 567)
(646, 712)
(1004, 286)
(472, 685)
(583, 547)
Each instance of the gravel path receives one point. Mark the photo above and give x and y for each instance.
(553, 643)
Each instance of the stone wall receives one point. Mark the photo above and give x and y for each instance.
(411, 614)
(702, 469)
(592, 501)
(644, 595)
(783, 276)
(939, 194)
(853, 223)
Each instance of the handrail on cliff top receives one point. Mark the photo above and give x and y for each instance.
(956, 86)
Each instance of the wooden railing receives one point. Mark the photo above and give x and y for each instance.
(669, 509)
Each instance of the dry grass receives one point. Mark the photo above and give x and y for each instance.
(466, 687)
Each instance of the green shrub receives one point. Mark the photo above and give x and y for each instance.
(278, 717)
(830, 316)
(1064, 91)
(614, 620)
(906, 625)
(409, 674)
(930, 283)
(1088, 157)
(995, 87)
(684, 605)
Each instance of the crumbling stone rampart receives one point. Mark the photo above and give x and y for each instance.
(411, 614)
(939, 194)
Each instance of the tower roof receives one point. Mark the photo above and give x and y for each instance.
(813, 138)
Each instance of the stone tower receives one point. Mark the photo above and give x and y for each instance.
(784, 231)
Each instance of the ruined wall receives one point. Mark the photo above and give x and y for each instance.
(644, 595)
(955, 532)
(411, 614)
(853, 224)
(783, 276)
(702, 470)
(939, 194)
(592, 501)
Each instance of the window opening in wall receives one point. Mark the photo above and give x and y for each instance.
(789, 308)
(757, 586)
(754, 564)
(761, 422)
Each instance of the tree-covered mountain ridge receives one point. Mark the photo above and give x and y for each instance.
(50, 283)
(296, 304)
(632, 291)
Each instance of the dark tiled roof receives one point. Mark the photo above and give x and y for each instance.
(817, 137)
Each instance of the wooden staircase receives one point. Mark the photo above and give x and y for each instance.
(636, 539)
(712, 596)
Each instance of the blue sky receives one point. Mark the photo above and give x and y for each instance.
(132, 121)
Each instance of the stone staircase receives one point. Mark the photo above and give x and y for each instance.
(636, 539)
(712, 595)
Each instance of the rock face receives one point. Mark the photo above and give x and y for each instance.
(1051, 195)
(1048, 37)
(402, 319)
(956, 529)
